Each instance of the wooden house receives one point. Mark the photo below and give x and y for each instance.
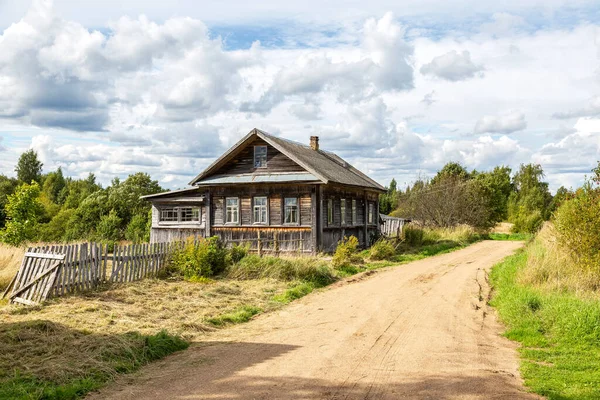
(274, 194)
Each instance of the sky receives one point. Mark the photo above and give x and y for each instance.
(396, 88)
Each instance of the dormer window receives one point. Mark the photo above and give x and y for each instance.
(260, 156)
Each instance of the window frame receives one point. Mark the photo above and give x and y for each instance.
(178, 213)
(343, 211)
(329, 211)
(370, 213)
(285, 207)
(256, 147)
(266, 210)
(237, 208)
(354, 212)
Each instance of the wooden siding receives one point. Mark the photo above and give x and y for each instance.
(243, 162)
(275, 215)
(279, 239)
(167, 235)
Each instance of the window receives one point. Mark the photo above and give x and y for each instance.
(353, 211)
(232, 210)
(343, 210)
(371, 212)
(180, 214)
(329, 211)
(168, 214)
(260, 156)
(291, 210)
(260, 210)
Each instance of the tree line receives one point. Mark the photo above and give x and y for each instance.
(481, 199)
(54, 208)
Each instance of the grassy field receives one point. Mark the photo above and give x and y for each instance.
(121, 327)
(554, 318)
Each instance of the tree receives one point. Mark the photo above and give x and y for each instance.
(497, 187)
(124, 197)
(138, 230)
(29, 167)
(109, 227)
(451, 170)
(388, 201)
(23, 210)
(529, 204)
(54, 183)
(7, 187)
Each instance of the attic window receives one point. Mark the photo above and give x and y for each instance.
(260, 156)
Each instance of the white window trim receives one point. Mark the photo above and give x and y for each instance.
(370, 213)
(254, 159)
(266, 206)
(178, 212)
(354, 212)
(297, 211)
(237, 199)
(343, 212)
(330, 211)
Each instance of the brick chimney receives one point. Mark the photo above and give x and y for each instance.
(314, 143)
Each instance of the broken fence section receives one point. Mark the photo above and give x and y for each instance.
(63, 269)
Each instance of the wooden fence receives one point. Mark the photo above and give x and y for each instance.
(58, 270)
(392, 226)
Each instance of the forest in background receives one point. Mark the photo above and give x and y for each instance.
(36, 207)
(455, 196)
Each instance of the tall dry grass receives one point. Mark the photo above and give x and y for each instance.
(554, 267)
(10, 260)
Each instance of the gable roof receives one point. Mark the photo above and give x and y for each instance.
(325, 166)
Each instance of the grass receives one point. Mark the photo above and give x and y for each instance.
(239, 315)
(49, 365)
(559, 331)
(10, 260)
(509, 236)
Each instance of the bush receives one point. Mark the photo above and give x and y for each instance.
(238, 252)
(382, 250)
(525, 222)
(577, 223)
(204, 258)
(412, 235)
(346, 253)
(54, 231)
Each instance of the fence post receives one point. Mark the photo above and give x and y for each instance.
(259, 245)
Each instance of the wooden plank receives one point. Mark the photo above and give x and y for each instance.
(104, 262)
(43, 255)
(24, 301)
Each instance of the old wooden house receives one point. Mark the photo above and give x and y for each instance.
(274, 194)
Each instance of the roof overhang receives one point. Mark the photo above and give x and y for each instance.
(167, 194)
(304, 177)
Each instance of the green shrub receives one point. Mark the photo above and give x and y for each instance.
(525, 222)
(577, 222)
(382, 250)
(346, 253)
(54, 231)
(201, 258)
(412, 235)
(238, 252)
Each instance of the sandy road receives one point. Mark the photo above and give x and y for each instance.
(419, 331)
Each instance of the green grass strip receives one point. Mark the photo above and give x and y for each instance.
(559, 334)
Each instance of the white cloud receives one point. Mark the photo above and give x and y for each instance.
(592, 109)
(453, 66)
(505, 123)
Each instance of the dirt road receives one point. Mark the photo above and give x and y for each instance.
(418, 331)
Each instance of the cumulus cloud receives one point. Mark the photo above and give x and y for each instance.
(57, 73)
(592, 109)
(2, 148)
(503, 23)
(383, 64)
(307, 111)
(453, 66)
(505, 123)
